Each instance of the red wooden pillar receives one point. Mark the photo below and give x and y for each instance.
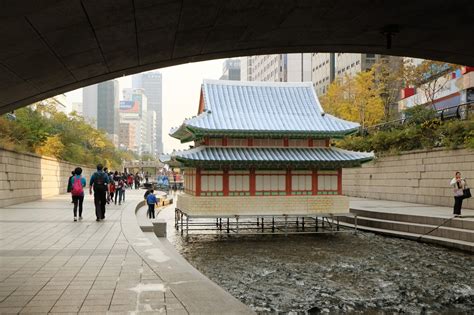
(252, 184)
(250, 142)
(198, 182)
(327, 142)
(339, 181)
(225, 182)
(310, 142)
(288, 182)
(285, 142)
(206, 140)
(224, 141)
(314, 182)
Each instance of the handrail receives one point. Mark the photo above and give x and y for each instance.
(439, 113)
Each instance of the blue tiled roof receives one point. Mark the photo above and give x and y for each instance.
(233, 106)
(320, 155)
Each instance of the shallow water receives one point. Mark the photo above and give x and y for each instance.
(362, 273)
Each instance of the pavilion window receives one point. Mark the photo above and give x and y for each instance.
(301, 182)
(239, 183)
(189, 181)
(212, 183)
(270, 183)
(319, 142)
(237, 142)
(327, 182)
(214, 142)
(298, 143)
(267, 142)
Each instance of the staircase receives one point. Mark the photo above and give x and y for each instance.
(456, 233)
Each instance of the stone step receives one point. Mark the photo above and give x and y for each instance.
(415, 228)
(458, 223)
(462, 245)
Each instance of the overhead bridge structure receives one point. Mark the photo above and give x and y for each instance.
(50, 47)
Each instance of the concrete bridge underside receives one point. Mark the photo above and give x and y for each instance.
(53, 46)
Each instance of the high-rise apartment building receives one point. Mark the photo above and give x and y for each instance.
(277, 68)
(326, 67)
(100, 105)
(151, 83)
(231, 70)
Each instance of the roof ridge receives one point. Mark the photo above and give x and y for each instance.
(258, 83)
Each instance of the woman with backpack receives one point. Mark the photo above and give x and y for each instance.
(77, 191)
(119, 191)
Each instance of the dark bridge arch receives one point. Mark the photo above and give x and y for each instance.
(53, 46)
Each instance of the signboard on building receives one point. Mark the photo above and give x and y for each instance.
(129, 107)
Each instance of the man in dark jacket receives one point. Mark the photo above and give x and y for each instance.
(100, 183)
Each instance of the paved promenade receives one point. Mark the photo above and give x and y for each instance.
(50, 264)
(397, 207)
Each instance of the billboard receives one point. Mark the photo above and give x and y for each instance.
(129, 107)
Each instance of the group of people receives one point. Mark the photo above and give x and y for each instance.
(107, 187)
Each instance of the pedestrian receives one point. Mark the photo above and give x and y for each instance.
(112, 189)
(69, 185)
(100, 183)
(130, 181)
(77, 191)
(151, 202)
(137, 181)
(119, 191)
(458, 184)
(146, 177)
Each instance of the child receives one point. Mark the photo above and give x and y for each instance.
(111, 191)
(151, 201)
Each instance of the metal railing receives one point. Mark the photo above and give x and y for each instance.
(462, 111)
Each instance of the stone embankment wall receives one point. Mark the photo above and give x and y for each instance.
(27, 177)
(420, 177)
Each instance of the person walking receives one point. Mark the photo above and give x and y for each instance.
(137, 181)
(151, 202)
(77, 191)
(69, 185)
(119, 191)
(458, 184)
(100, 183)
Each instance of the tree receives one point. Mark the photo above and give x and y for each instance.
(356, 99)
(389, 77)
(429, 76)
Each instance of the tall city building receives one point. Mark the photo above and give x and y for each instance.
(231, 70)
(151, 83)
(134, 111)
(277, 68)
(89, 104)
(326, 67)
(100, 105)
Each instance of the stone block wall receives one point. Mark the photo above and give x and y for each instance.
(28, 177)
(261, 205)
(419, 177)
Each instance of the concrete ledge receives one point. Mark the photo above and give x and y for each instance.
(197, 293)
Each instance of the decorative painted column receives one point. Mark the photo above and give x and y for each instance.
(198, 181)
(314, 182)
(225, 182)
(288, 182)
(252, 184)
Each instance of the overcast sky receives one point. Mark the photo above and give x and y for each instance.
(181, 87)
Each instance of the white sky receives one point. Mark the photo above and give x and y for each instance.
(181, 87)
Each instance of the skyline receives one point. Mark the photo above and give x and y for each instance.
(177, 106)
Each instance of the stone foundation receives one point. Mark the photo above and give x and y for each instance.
(263, 205)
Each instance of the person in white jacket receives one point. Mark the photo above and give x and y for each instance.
(458, 184)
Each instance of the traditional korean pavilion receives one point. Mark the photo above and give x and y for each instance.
(263, 149)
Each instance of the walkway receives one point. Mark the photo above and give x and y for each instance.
(50, 264)
(397, 207)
